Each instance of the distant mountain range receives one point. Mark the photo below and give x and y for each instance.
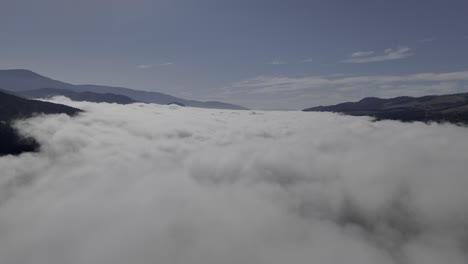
(76, 96)
(13, 107)
(27, 81)
(438, 108)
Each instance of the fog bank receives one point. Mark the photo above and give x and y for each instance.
(146, 183)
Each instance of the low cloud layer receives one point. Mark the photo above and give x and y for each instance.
(164, 184)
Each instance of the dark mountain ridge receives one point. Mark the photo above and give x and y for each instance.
(13, 107)
(451, 108)
(24, 80)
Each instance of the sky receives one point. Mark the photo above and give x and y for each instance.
(264, 54)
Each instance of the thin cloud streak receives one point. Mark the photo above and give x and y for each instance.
(269, 84)
(362, 54)
(388, 55)
(425, 40)
(273, 92)
(145, 66)
(277, 61)
(149, 66)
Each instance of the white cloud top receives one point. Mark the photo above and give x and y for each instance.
(165, 184)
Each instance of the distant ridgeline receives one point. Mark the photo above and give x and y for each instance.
(451, 108)
(76, 96)
(29, 84)
(12, 108)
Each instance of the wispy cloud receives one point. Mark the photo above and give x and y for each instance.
(316, 90)
(271, 84)
(388, 54)
(149, 66)
(144, 66)
(361, 54)
(277, 61)
(425, 40)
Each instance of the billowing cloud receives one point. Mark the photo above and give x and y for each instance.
(164, 184)
(388, 54)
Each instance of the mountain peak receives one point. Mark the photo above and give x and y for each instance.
(19, 73)
(21, 80)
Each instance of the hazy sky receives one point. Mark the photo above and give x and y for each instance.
(262, 54)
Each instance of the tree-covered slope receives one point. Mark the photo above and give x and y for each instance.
(13, 107)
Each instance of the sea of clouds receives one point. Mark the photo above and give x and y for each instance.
(148, 183)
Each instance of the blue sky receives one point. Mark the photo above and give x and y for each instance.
(262, 54)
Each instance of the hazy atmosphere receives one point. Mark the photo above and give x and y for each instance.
(234, 132)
